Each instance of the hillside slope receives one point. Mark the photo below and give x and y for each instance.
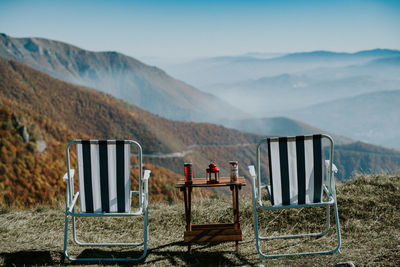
(121, 76)
(31, 169)
(60, 112)
(76, 113)
(103, 116)
(372, 117)
(362, 158)
(280, 126)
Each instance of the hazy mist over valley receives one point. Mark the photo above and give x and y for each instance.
(354, 95)
(343, 93)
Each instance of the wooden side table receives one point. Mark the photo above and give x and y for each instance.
(215, 232)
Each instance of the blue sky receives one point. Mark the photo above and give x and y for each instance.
(207, 28)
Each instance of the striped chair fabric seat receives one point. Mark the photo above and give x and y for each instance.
(104, 170)
(295, 166)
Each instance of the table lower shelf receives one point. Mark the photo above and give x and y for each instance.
(213, 233)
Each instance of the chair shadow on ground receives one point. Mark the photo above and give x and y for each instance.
(32, 257)
(201, 255)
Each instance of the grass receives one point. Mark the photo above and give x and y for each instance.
(369, 211)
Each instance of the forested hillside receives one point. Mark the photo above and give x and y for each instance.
(51, 112)
(362, 158)
(27, 177)
(57, 112)
(31, 170)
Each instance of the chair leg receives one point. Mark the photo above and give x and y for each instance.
(339, 241)
(145, 234)
(144, 243)
(256, 219)
(66, 236)
(336, 250)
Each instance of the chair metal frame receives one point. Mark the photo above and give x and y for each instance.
(72, 198)
(328, 189)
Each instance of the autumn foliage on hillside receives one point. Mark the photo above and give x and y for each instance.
(55, 112)
(60, 112)
(100, 115)
(362, 158)
(28, 178)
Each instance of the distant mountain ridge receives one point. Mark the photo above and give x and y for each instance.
(281, 126)
(205, 73)
(372, 117)
(121, 76)
(373, 53)
(317, 82)
(147, 87)
(276, 95)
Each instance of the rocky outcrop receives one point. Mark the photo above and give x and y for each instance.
(41, 146)
(24, 133)
(26, 137)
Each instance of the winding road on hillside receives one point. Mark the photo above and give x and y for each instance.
(189, 150)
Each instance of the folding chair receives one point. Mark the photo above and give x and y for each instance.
(104, 189)
(296, 180)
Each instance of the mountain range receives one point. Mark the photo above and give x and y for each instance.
(204, 73)
(52, 92)
(281, 126)
(371, 117)
(54, 112)
(298, 85)
(124, 77)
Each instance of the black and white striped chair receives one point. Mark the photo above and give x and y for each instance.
(104, 168)
(296, 178)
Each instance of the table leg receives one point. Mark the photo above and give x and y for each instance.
(190, 208)
(235, 201)
(185, 199)
(187, 195)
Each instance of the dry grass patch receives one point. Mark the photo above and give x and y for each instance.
(368, 208)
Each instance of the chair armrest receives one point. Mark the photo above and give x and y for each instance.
(71, 174)
(145, 179)
(252, 171)
(146, 175)
(334, 168)
(331, 183)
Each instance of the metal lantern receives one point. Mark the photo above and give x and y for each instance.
(212, 174)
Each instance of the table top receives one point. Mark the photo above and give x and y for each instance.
(202, 182)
